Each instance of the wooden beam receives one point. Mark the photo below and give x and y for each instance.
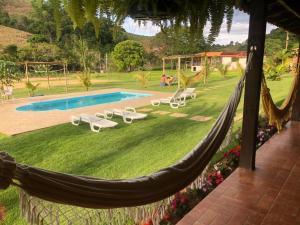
(256, 42)
(296, 106)
(42, 63)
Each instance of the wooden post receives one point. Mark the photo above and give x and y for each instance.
(192, 63)
(287, 41)
(296, 106)
(256, 41)
(100, 63)
(164, 66)
(106, 62)
(48, 77)
(178, 71)
(26, 71)
(66, 76)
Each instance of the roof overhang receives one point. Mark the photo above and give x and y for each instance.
(282, 13)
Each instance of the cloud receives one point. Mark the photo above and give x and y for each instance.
(239, 29)
(146, 29)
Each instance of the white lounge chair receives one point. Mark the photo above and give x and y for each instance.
(174, 101)
(7, 93)
(129, 114)
(96, 123)
(189, 92)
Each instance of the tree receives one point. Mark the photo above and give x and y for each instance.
(43, 52)
(190, 14)
(85, 79)
(129, 55)
(223, 69)
(143, 78)
(9, 73)
(206, 69)
(10, 53)
(82, 51)
(277, 65)
(186, 81)
(31, 87)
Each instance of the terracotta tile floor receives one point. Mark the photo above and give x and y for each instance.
(270, 195)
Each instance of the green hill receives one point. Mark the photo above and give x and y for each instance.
(17, 7)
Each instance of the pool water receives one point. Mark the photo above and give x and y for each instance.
(79, 102)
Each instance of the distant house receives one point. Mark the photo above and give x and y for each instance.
(213, 58)
(196, 61)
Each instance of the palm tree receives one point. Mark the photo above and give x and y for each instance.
(85, 79)
(31, 87)
(143, 78)
(186, 81)
(223, 69)
(206, 70)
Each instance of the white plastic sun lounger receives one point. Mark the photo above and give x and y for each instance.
(129, 114)
(96, 123)
(174, 101)
(189, 92)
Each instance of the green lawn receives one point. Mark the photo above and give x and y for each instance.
(121, 80)
(128, 150)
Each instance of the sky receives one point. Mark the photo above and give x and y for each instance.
(239, 30)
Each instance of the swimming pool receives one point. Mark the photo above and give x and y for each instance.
(79, 102)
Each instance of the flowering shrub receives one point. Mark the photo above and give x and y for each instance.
(2, 213)
(183, 202)
(149, 222)
(212, 181)
(264, 134)
(232, 157)
(180, 205)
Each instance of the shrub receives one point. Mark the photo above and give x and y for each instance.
(143, 78)
(85, 79)
(223, 69)
(31, 87)
(9, 73)
(129, 55)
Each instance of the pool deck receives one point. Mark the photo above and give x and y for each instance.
(13, 122)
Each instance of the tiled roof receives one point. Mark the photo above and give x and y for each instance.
(240, 54)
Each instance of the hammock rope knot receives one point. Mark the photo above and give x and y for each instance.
(7, 170)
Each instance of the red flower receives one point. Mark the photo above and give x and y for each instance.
(149, 222)
(174, 204)
(167, 217)
(183, 199)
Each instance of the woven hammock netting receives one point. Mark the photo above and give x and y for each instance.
(278, 115)
(48, 197)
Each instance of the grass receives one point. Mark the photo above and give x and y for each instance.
(119, 80)
(128, 150)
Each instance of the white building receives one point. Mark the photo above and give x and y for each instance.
(226, 58)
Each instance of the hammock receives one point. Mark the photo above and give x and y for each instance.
(90, 192)
(278, 115)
